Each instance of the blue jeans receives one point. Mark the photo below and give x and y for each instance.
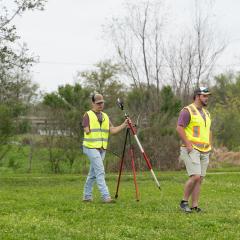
(96, 172)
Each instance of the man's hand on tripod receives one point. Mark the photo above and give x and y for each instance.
(125, 123)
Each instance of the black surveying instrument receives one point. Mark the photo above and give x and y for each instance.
(132, 130)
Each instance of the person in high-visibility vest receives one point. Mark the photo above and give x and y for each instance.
(194, 129)
(97, 127)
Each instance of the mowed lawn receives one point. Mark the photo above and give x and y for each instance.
(51, 207)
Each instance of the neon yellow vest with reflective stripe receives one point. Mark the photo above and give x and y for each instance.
(198, 130)
(98, 136)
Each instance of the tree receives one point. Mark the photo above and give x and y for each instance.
(6, 129)
(151, 56)
(16, 91)
(15, 62)
(159, 135)
(155, 126)
(64, 111)
(224, 105)
(191, 59)
(9, 57)
(137, 37)
(105, 80)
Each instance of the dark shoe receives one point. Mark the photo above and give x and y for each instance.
(185, 207)
(196, 209)
(109, 200)
(87, 200)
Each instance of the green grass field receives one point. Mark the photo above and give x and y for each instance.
(50, 207)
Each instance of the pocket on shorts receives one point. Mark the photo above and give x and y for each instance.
(182, 155)
(194, 156)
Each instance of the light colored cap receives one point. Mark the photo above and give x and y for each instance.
(202, 91)
(98, 98)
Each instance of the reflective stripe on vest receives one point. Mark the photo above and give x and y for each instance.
(198, 130)
(98, 136)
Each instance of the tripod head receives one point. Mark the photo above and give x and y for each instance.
(121, 106)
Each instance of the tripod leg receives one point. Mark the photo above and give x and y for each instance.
(121, 163)
(143, 153)
(134, 173)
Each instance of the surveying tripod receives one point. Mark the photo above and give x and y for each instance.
(131, 130)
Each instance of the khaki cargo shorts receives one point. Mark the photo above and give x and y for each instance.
(196, 162)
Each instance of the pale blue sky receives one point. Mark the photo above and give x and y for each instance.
(67, 36)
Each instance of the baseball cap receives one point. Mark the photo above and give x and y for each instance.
(98, 98)
(202, 91)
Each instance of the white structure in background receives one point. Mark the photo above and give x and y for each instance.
(45, 127)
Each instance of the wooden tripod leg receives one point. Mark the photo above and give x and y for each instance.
(134, 172)
(121, 163)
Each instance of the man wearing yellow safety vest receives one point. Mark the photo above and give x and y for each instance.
(194, 129)
(97, 127)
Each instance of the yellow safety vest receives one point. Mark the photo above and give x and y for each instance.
(98, 136)
(198, 130)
